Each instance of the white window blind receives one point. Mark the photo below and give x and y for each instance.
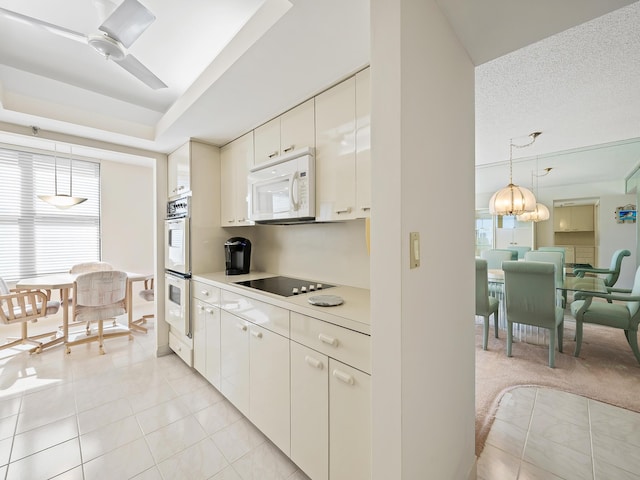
(37, 238)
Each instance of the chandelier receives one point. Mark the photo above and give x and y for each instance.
(513, 199)
(61, 200)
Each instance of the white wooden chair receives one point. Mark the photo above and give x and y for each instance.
(148, 293)
(23, 306)
(100, 296)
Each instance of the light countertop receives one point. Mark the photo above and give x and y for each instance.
(354, 313)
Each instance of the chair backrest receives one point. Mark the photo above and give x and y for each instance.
(520, 251)
(530, 293)
(99, 295)
(635, 291)
(91, 267)
(482, 287)
(496, 256)
(148, 293)
(561, 250)
(549, 257)
(616, 264)
(4, 288)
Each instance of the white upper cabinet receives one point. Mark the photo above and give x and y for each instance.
(290, 131)
(335, 152)
(179, 174)
(363, 144)
(236, 158)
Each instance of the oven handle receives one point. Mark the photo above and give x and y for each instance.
(294, 198)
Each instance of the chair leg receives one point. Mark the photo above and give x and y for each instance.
(560, 336)
(495, 323)
(100, 336)
(552, 347)
(485, 332)
(578, 337)
(632, 338)
(509, 337)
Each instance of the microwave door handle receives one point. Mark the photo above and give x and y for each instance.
(293, 198)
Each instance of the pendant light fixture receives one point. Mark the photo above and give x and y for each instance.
(541, 212)
(62, 201)
(512, 199)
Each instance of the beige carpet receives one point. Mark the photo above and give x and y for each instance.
(606, 371)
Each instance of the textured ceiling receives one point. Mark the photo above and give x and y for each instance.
(580, 88)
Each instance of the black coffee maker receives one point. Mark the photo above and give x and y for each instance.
(237, 253)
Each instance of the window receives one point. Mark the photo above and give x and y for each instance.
(37, 238)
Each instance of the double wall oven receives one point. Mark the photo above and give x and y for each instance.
(177, 265)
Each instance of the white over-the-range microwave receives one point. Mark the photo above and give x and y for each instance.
(284, 189)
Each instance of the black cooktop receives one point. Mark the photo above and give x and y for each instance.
(285, 286)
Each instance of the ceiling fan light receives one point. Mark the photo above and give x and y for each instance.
(107, 46)
(512, 200)
(62, 201)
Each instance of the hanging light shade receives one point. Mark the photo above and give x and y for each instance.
(61, 200)
(539, 214)
(513, 199)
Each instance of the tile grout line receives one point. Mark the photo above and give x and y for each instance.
(593, 456)
(526, 439)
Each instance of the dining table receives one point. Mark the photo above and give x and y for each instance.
(64, 283)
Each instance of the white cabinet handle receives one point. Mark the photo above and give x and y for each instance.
(231, 221)
(256, 334)
(205, 293)
(344, 377)
(328, 340)
(314, 362)
(200, 308)
(209, 310)
(365, 209)
(273, 154)
(346, 210)
(288, 149)
(242, 327)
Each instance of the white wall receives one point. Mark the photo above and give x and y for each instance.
(422, 84)
(329, 252)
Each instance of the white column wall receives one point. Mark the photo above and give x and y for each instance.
(423, 181)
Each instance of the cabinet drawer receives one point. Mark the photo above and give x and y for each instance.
(350, 347)
(267, 316)
(184, 351)
(206, 293)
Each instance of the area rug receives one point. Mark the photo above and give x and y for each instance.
(606, 371)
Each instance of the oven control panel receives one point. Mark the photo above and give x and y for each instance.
(178, 208)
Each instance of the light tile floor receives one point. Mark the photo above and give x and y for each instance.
(126, 414)
(546, 434)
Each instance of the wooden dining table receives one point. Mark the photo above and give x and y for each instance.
(64, 283)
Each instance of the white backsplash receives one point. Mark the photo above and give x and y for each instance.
(328, 252)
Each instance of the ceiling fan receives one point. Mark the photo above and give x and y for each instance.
(120, 29)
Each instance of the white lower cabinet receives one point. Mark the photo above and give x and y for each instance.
(302, 381)
(206, 341)
(269, 396)
(349, 423)
(234, 355)
(310, 411)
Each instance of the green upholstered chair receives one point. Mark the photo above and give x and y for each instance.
(521, 251)
(561, 250)
(496, 256)
(485, 304)
(624, 315)
(530, 296)
(612, 273)
(557, 259)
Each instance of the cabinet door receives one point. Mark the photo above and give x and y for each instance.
(349, 423)
(310, 411)
(582, 218)
(199, 338)
(178, 175)
(297, 127)
(561, 219)
(234, 361)
(212, 345)
(236, 158)
(267, 141)
(269, 385)
(335, 152)
(363, 144)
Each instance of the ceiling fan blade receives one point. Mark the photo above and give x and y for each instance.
(50, 27)
(104, 8)
(142, 73)
(128, 22)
